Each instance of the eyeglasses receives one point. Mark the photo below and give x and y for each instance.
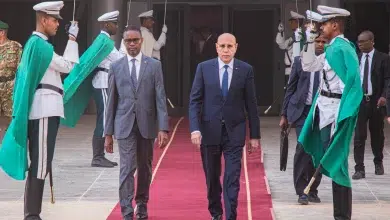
(132, 40)
(228, 46)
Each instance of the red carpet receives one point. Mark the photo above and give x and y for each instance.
(178, 190)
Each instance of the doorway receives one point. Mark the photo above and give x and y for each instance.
(256, 46)
(205, 26)
(191, 37)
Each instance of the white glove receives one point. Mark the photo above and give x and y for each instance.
(311, 35)
(280, 27)
(297, 33)
(73, 29)
(165, 29)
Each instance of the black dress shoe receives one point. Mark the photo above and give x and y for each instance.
(379, 170)
(219, 217)
(314, 198)
(359, 175)
(303, 199)
(142, 211)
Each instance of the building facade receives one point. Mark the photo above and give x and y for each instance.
(254, 22)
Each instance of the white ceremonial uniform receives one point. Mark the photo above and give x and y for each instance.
(44, 117)
(150, 47)
(100, 80)
(328, 107)
(46, 102)
(100, 84)
(287, 46)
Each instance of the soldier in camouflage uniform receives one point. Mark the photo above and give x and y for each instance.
(10, 53)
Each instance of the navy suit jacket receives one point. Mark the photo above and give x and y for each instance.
(207, 107)
(296, 92)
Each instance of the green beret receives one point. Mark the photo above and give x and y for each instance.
(3, 25)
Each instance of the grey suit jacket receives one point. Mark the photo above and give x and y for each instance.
(146, 103)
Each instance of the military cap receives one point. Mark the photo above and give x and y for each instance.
(330, 12)
(3, 26)
(147, 14)
(50, 8)
(314, 16)
(295, 15)
(110, 16)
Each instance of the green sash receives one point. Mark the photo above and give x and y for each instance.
(342, 58)
(78, 84)
(35, 60)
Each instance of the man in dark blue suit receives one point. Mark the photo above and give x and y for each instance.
(301, 89)
(223, 89)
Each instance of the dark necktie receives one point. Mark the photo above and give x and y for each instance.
(365, 77)
(316, 84)
(133, 74)
(225, 82)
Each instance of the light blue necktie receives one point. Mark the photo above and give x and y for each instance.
(225, 82)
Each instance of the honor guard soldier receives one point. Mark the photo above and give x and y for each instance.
(150, 47)
(328, 129)
(286, 44)
(109, 26)
(10, 52)
(38, 106)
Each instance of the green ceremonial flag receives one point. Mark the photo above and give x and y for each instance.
(343, 59)
(35, 60)
(78, 84)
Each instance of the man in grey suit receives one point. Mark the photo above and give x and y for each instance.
(301, 90)
(136, 111)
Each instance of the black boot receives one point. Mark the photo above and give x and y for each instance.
(33, 198)
(98, 154)
(342, 202)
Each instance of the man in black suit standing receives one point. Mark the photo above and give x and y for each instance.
(374, 75)
(301, 90)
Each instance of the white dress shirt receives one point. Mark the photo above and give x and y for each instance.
(221, 65)
(46, 102)
(362, 65)
(328, 107)
(138, 60)
(100, 80)
(310, 92)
